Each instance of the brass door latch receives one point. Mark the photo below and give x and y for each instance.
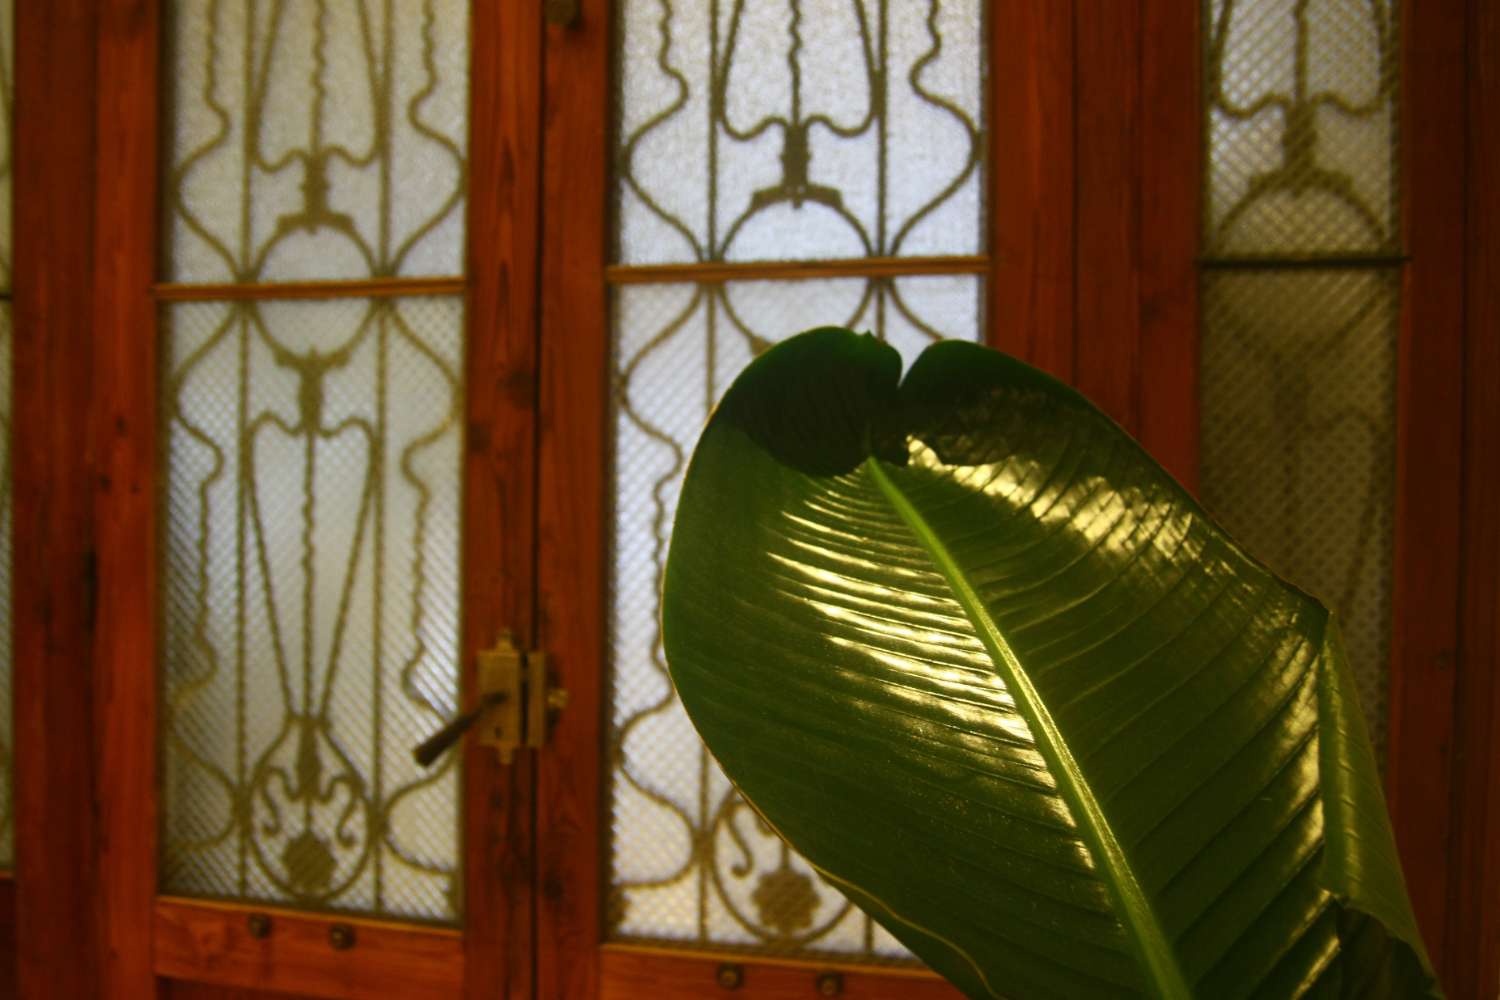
(514, 704)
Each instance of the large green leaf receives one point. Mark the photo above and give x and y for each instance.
(967, 647)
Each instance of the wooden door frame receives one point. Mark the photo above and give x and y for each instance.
(60, 880)
(87, 487)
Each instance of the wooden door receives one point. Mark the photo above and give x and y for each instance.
(712, 187)
(304, 364)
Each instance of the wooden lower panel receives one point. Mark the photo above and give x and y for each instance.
(633, 973)
(176, 989)
(211, 943)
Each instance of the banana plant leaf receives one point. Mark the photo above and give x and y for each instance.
(998, 677)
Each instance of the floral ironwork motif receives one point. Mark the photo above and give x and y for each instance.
(844, 131)
(312, 454)
(1300, 299)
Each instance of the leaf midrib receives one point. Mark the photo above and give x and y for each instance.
(1159, 961)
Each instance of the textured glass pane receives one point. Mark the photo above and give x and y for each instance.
(319, 139)
(690, 862)
(1299, 388)
(788, 129)
(1301, 127)
(311, 615)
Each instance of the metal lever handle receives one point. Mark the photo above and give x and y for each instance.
(434, 746)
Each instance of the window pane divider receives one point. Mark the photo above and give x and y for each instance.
(376, 288)
(711, 272)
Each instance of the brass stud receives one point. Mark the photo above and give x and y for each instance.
(829, 984)
(341, 937)
(259, 926)
(730, 976)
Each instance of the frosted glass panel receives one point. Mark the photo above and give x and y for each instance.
(321, 139)
(690, 863)
(1299, 363)
(787, 129)
(1299, 398)
(310, 590)
(1301, 127)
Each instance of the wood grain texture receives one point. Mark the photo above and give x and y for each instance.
(124, 411)
(1474, 876)
(1170, 177)
(500, 478)
(8, 987)
(211, 943)
(1029, 305)
(59, 947)
(1425, 595)
(175, 989)
(574, 482)
(631, 974)
(376, 288)
(1107, 128)
(717, 272)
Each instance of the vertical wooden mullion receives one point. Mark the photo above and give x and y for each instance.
(574, 486)
(59, 927)
(1169, 157)
(1029, 305)
(125, 352)
(1136, 179)
(500, 473)
(1474, 878)
(1107, 207)
(1425, 596)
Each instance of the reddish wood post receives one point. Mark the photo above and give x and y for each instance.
(1474, 878)
(1029, 306)
(1429, 452)
(59, 928)
(125, 433)
(571, 511)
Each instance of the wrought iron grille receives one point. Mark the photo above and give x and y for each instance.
(747, 132)
(311, 509)
(1301, 300)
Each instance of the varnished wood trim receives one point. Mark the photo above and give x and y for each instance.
(1429, 453)
(211, 943)
(8, 986)
(59, 936)
(574, 482)
(628, 973)
(1107, 210)
(383, 288)
(794, 270)
(1029, 305)
(1474, 876)
(125, 512)
(1169, 160)
(500, 477)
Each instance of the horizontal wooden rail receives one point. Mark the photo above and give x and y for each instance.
(375, 288)
(630, 971)
(716, 272)
(293, 952)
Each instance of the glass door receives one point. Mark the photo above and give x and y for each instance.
(726, 174)
(345, 494)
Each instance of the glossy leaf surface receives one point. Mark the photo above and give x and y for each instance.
(993, 672)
